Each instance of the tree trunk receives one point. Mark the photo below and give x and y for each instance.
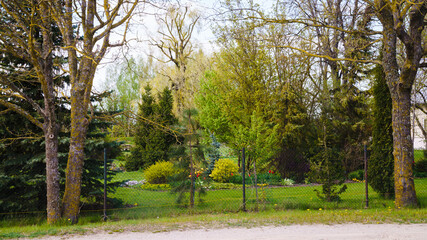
(403, 149)
(400, 80)
(79, 124)
(50, 125)
(52, 176)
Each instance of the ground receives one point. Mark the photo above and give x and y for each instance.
(316, 231)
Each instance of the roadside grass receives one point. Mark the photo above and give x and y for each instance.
(221, 220)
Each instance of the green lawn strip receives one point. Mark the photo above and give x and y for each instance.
(132, 176)
(418, 155)
(221, 220)
(146, 203)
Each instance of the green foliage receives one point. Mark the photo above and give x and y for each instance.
(124, 81)
(188, 154)
(269, 178)
(160, 172)
(358, 174)
(22, 165)
(327, 169)
(153, 137)
(287, 182)
(420, 168)
(213, 154)
(224, 170)
(381, 161)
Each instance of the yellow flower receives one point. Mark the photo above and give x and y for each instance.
(320, 209)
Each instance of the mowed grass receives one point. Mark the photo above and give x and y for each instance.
(148, 204)
(134, 176)
(418, 155)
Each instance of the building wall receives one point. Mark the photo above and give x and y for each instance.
(419, 141)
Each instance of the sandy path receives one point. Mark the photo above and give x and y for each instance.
(317, 232)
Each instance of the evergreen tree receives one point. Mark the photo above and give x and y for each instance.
(23, 170)
(381, 161)
(152, 137)
(214, 154)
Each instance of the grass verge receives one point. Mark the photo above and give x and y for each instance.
(221, 220)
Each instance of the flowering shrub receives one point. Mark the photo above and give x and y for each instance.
(159, 172)
(223, 171)
(287, 182)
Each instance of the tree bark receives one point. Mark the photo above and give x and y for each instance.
(400, 80)
(50, 125)
(79, 124)
(403, 149)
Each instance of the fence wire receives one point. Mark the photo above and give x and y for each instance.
(134, 198)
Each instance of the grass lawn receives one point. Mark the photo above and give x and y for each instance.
(134, 176)
(418, 155)
(151, 204)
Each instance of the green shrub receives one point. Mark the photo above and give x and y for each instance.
(381, 161)
(237, 179)
(287, 182)
(270, 178)
(420, 168)
(160, 172)
(223, 171)
(358, 174)
(326, 169)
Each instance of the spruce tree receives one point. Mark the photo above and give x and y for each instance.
(381, 161)
(23, 168)
(152, 136)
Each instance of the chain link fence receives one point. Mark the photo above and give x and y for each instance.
(253, 192)
(130, 196)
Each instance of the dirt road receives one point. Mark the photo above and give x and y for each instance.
(307, 232)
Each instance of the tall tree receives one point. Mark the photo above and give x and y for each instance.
(152, 136)
(175, 44)
(381, 167)
(85, 49)
(27, 33)
(402, 23)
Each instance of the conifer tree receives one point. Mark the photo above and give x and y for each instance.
(381, 162)
(152, 136)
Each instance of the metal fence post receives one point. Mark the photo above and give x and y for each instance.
(243, 180)
(105, 184)
(366, 175)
